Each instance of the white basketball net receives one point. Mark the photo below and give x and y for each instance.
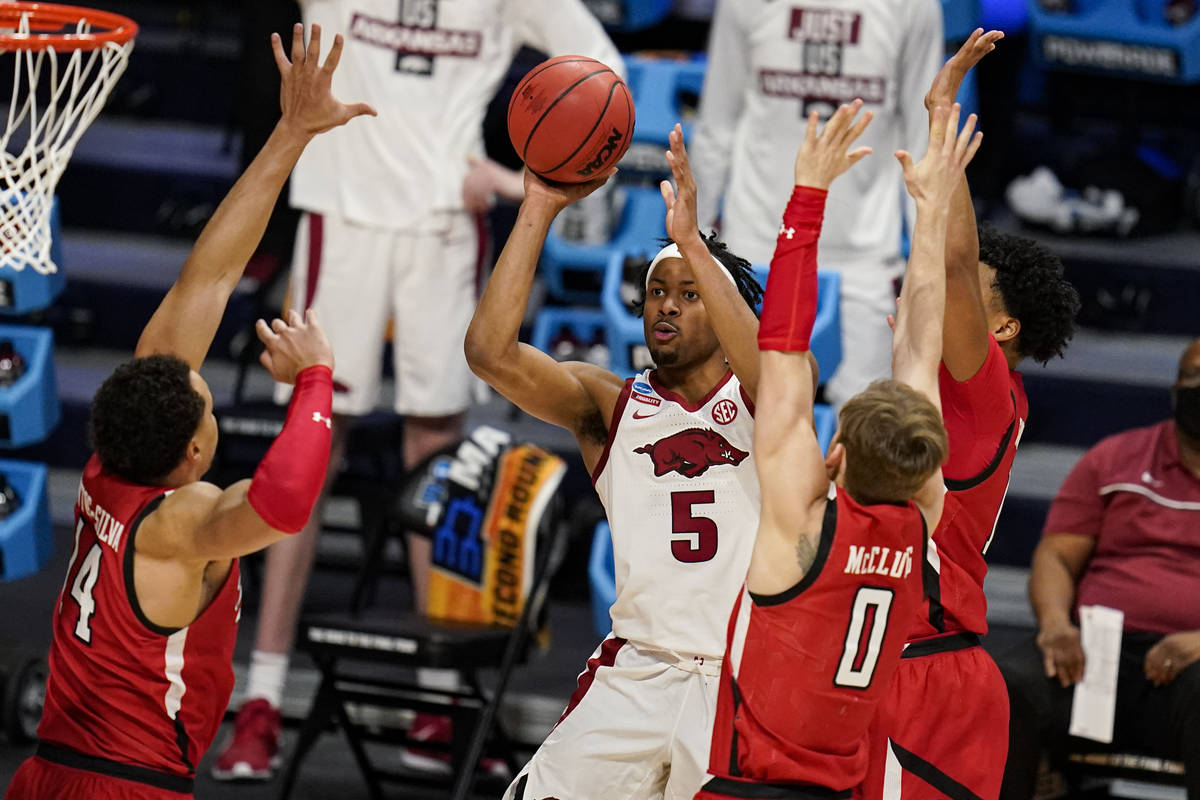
(39, 140)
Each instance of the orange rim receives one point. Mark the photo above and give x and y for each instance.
(51, 18)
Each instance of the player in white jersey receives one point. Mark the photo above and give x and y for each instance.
(669, 453)
(770, 65)
(387, 232)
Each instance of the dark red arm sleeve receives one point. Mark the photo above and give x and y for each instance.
(790, 304)
(288, 481)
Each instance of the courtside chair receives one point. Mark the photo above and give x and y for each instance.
(1123, 773)
(366, 662)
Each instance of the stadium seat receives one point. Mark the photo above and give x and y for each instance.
(641, 224)
(626, 337)
(601, 578)
(26, 535)
(665, 91)
(627, 16)
(1126, 38)
(583, 324)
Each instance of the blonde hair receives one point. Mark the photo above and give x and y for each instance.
(895, 440)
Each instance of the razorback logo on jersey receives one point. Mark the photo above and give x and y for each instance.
(691, 452)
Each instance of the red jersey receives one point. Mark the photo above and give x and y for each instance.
(985, 417)
(121, 688)
(805, 669)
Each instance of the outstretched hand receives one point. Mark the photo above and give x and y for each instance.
(558, 196)
(933, 178)
(305, 95)
(824, 156)
(946, 83)
(294, 345)
(682, 226)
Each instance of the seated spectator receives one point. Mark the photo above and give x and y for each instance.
(1123, 532)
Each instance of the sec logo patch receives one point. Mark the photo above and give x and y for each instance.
(725, 412)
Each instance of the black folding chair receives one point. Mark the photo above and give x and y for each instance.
(364, 657)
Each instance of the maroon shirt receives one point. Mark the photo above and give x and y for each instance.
(1132, 493)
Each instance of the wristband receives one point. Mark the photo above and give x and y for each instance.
(790, 302)
(288, 481)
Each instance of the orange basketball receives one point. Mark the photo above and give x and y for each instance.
(570, 119)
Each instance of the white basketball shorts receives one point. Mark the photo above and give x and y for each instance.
(358, 277)
(638, 726)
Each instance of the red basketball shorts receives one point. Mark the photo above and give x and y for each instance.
(38, 779)
(942, 728)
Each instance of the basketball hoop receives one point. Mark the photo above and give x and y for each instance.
(66, 60)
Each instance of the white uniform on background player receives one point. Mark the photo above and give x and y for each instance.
(669, 454)
(770, 64)
(385, 223)
(386, 233)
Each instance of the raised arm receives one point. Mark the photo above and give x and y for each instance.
(574, 395)
(199, 522)
(186, 321)
(965, 336)
(732, 318)
(791, 467)
(917, 341)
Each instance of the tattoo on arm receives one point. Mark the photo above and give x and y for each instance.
(806, 552)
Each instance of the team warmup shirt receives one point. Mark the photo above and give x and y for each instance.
(770, 64)
(430, 68)
(121, 688)
(678, 483)
(985, 417)
(806, 668)
(1137, 499)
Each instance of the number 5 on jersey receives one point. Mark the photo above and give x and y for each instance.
(693, 538)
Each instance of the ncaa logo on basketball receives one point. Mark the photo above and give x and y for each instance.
(614, 141)
(725, 412)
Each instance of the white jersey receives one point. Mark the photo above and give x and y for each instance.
(770, 64)
(430, 68)
(682, 497)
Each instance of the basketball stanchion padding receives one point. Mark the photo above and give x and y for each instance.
(26, 535)
(61, 62)
(570, 119)
(29, 407)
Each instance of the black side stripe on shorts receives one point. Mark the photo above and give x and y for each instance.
(772, 791)
(932, 775)
(519, 792)
(971, 483)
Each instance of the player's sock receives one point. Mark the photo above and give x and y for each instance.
(268, 673)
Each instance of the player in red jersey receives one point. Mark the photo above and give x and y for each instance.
(942, 730)
(835, 577)
(141, 661)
